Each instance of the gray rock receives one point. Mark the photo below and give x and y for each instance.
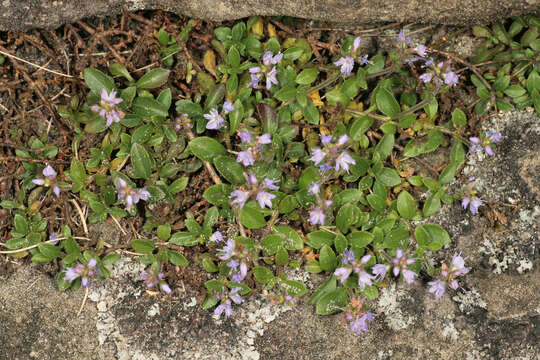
(25, 14)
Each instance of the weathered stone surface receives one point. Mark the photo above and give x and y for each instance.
(25, 14)
(495, 315)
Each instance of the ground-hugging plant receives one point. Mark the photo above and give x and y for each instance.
(306, 160)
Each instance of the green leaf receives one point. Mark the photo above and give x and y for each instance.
(292, 241)
(49, 250)
(164, 232)
(286, 93)
(327, 259)
(360, 239)
(271, 243)
(387, 103)
(40, 258)
(328, 286)
(332, 302)
(406, 205)
(312, 266)
(215, 96)
(153, 79)
(218, 194)
(21, 225)
(178, 185)
(376, 202)
(459, 118)
(448, 173)
(307, 76)
(389, 177)
(341, 243)
(141, 161)
(432, 205)
(347, 216)
(233, 57)
(143, 246)
(262, 274)
(142, 134)
(293, 287)
(385, 146)
(251, 217)
(229, 169)
(96, 81)
(110, 259)
(177, 259)
(438, 237)
(501, 83)
(206, 148)
(282, 257)
(317, 239)
(117, 69)
(147, 107)
(184, 238)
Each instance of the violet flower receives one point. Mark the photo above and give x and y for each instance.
(448, 276)
(245, 158)
(128, 195)
(228, 107)
(271, 78)
(225, 306)
(239, 198)
(215, 121)
(314, 188)
(359, 324)
(85, 272)
(50, 180)
(346, 64)
(152, 279)
(450, 78)
(316, 216)
(255, 73)
(216, 237)
(357, 267)
(400, 264)
(227, 251)
(265, 199)
(343, 161)
(437, 287)
(107, 107)
(426, 77)
(245, 136)
(379, 270)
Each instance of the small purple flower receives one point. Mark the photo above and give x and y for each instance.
(227, 251)
(245, 136)
(49, 172)
(270, 59)
(325, 139)
(365, 60)
(473, 205)
(495, 136)
(316, 216)
(400, 264)
(450, 78)
(314, 188)
(255, 73)
(348, 257)
(475, 144)
(265, 199)
(458, 264)
(215, 122)
(85, 272)
(228, 107)
(364, 279)
(379, 270)
(342, 273)
(165, 287)
(360, 324)
(107, 107)
(271, 78)
(128, 195)
(224, 307)
(216, 237)
(343, 161)
(245, 158)
(426, 77)
(52, 239)
(343, 139)
(270, 184)
(346, 64)
(437, 287)
(251, 179)
(356, 43)
(421, 50)
(50, 179)
(240, 275)
(318, 155)
(402, 39)
(265, 139)
(239, 198)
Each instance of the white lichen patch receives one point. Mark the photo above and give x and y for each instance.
(449, 330)
(469, 300)
(389, 302)
(153, 311)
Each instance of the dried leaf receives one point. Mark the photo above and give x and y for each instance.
(209, 62)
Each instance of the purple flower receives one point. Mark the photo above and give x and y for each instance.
(227, 251)
(234, 296)
(251, 179)
(165, 287)
(450, 78)
(402, 39)
(346, 63)
(49, 172)
(50, 175)
(52, 239)
(343, 161)
(364, 279)
(107, 107)
(379, 270)
(241, 274)
(400, 264)
(342, 273)
(265, 199)
(325, 139)
(314, 188)
(348, 257)
(72, 273)
(318, 155)
(270, 59)
(128, 195)
(217, 237)
(255, 75)
(85, 272)
(269, 184)
(224, 307)
(228, 107)
(215, 122)
(421, 50)
(426, 77)
(265, 139)
(475, 144)
(365, 60)
(239, 198)
(360, 324)
(245, 136)
(473, 205)
(245, 158)
(356, 43)
(271, 78)
(343, 139)
(495, 136)
(316, 216)
(458, 265)
(437, 287)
